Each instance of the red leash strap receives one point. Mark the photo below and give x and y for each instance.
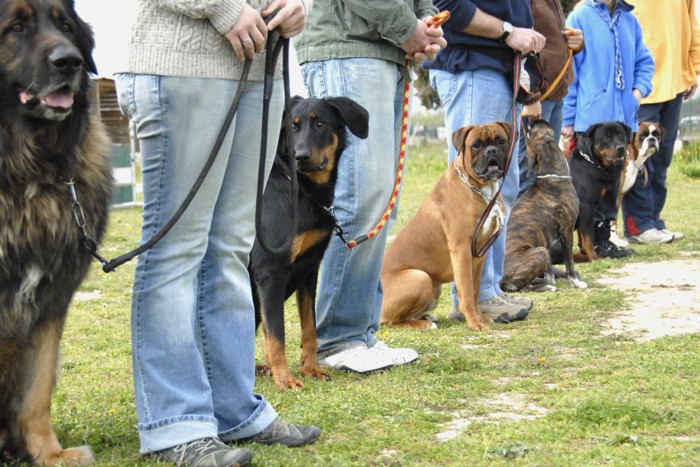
(435, 21)
(476, 252)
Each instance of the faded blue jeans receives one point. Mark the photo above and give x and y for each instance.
(349, 293)
(192, 316)
(474, 98)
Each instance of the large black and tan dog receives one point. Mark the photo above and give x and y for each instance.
(434, 247)
(545, 213)
(51, 143)
(318, 137)
(598, 151)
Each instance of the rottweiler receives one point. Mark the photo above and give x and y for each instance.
(598, 152)
(545, 213)
(318, 128)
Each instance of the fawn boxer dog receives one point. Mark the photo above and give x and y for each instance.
(545, 213)
(435, 246)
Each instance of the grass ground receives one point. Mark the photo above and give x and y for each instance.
(551, 390)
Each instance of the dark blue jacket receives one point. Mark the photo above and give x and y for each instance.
(468, 52)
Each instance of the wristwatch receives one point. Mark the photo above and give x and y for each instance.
(507, 29)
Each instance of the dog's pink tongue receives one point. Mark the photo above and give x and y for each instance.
(62, 99)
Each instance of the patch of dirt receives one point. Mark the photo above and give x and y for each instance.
(506, 408)
(663, 298)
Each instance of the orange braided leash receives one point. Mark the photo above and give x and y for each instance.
(435, 21)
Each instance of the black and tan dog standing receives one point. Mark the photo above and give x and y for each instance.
(318, 136)
(52, 152)
(434, 247)
(544, 214)
(598, 151)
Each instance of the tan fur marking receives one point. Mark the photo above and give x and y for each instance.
(322, 177)
(306, 240)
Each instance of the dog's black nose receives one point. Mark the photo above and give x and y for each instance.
(65, 58)
(491, 151)
(621, 150)
(302, 156)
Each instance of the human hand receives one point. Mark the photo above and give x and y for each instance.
(249, 34)
(290, 20)
(690, 92)
(567, 131)
(525, 40)
(637, 95)
(532, 111)
(574, 38)
(425, 42)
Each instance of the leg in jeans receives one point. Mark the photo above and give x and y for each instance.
(477, 97)
(192, 304)
(643, 204)
(349, 297)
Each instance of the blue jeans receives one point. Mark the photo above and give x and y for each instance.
(192, 316)
(350, 294)
(552, 112)
(473, 98)
(642, 205)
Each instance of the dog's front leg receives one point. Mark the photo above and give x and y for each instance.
(306, 298)
(467, 277)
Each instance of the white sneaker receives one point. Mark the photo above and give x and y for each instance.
(359, 359)
(397, 356)
(652, 236)
(676, 235)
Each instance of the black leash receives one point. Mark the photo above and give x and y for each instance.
(109, 266)
(476, 252)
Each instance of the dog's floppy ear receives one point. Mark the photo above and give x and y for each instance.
(584, 140)
(662, 131)
(355, 117)
(460, 135)
(83, 36)
(506, 126)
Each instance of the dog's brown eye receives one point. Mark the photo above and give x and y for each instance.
(65, 27)
(320, 124)
(477, 146)
(18, 28)
(501, 141)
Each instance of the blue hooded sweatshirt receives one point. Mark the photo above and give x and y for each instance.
(613, 62)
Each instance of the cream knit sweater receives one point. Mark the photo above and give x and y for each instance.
(186, 38)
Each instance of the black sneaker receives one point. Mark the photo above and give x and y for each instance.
(607, 249)
(207, 452)
(285, 434)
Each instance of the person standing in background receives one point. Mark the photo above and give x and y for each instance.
(550, 21)
(612, 75)
(471, 77)
(192, 315)
(358, 49)
(671, 33)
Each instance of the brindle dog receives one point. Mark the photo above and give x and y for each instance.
(52, 146)
(545, 213)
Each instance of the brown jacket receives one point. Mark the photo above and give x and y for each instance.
(550, 21)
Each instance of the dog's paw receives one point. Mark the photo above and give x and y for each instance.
(544, 288)
(578, 283)
(81, 455)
